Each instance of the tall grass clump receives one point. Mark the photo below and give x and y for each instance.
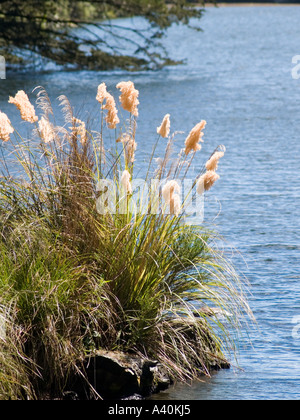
(93, 259)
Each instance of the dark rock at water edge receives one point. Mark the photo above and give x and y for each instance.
(116, 375)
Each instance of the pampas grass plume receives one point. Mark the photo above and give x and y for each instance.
(26, 109)
(125, 181)
(164, 129)
(206, 181)
(5, 127)
(194, 137)
(112, 118)
(212, 163)
(129, 97)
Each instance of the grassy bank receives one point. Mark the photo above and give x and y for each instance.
(87, 265)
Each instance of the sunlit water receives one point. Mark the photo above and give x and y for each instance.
(238, 78)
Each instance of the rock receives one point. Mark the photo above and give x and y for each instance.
(70, 396)
(117, 375)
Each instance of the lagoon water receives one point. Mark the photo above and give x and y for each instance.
(238, 77)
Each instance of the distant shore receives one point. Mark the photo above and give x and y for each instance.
(246, 4)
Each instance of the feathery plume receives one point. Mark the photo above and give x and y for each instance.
(206, 181)
(194, 137)
(172, 199)
(5, 127)
(125, 181)
(130, 146)
(102, 92)
(79, 130)
(164, 129)
(43, 101)
(168, 189)
(112, 118)
(212, 163)
(26, 109)
(46, 129)
(175, 205)
(129, 97)
(67, 109)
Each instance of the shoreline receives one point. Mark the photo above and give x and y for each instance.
(246, 4)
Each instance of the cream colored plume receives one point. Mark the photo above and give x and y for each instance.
(6, 128)
(130, 146)
(46, 130)
(164, 129)
(206, 181)
(79, 129)
(212, 163)
(172, 199)
(101, 93)
(112, 118)
(129, 97)
(194, 137)
(26, 109)
(125, 181)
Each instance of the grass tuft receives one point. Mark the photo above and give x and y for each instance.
(76, 277)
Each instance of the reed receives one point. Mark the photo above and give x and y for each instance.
(75, 279)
